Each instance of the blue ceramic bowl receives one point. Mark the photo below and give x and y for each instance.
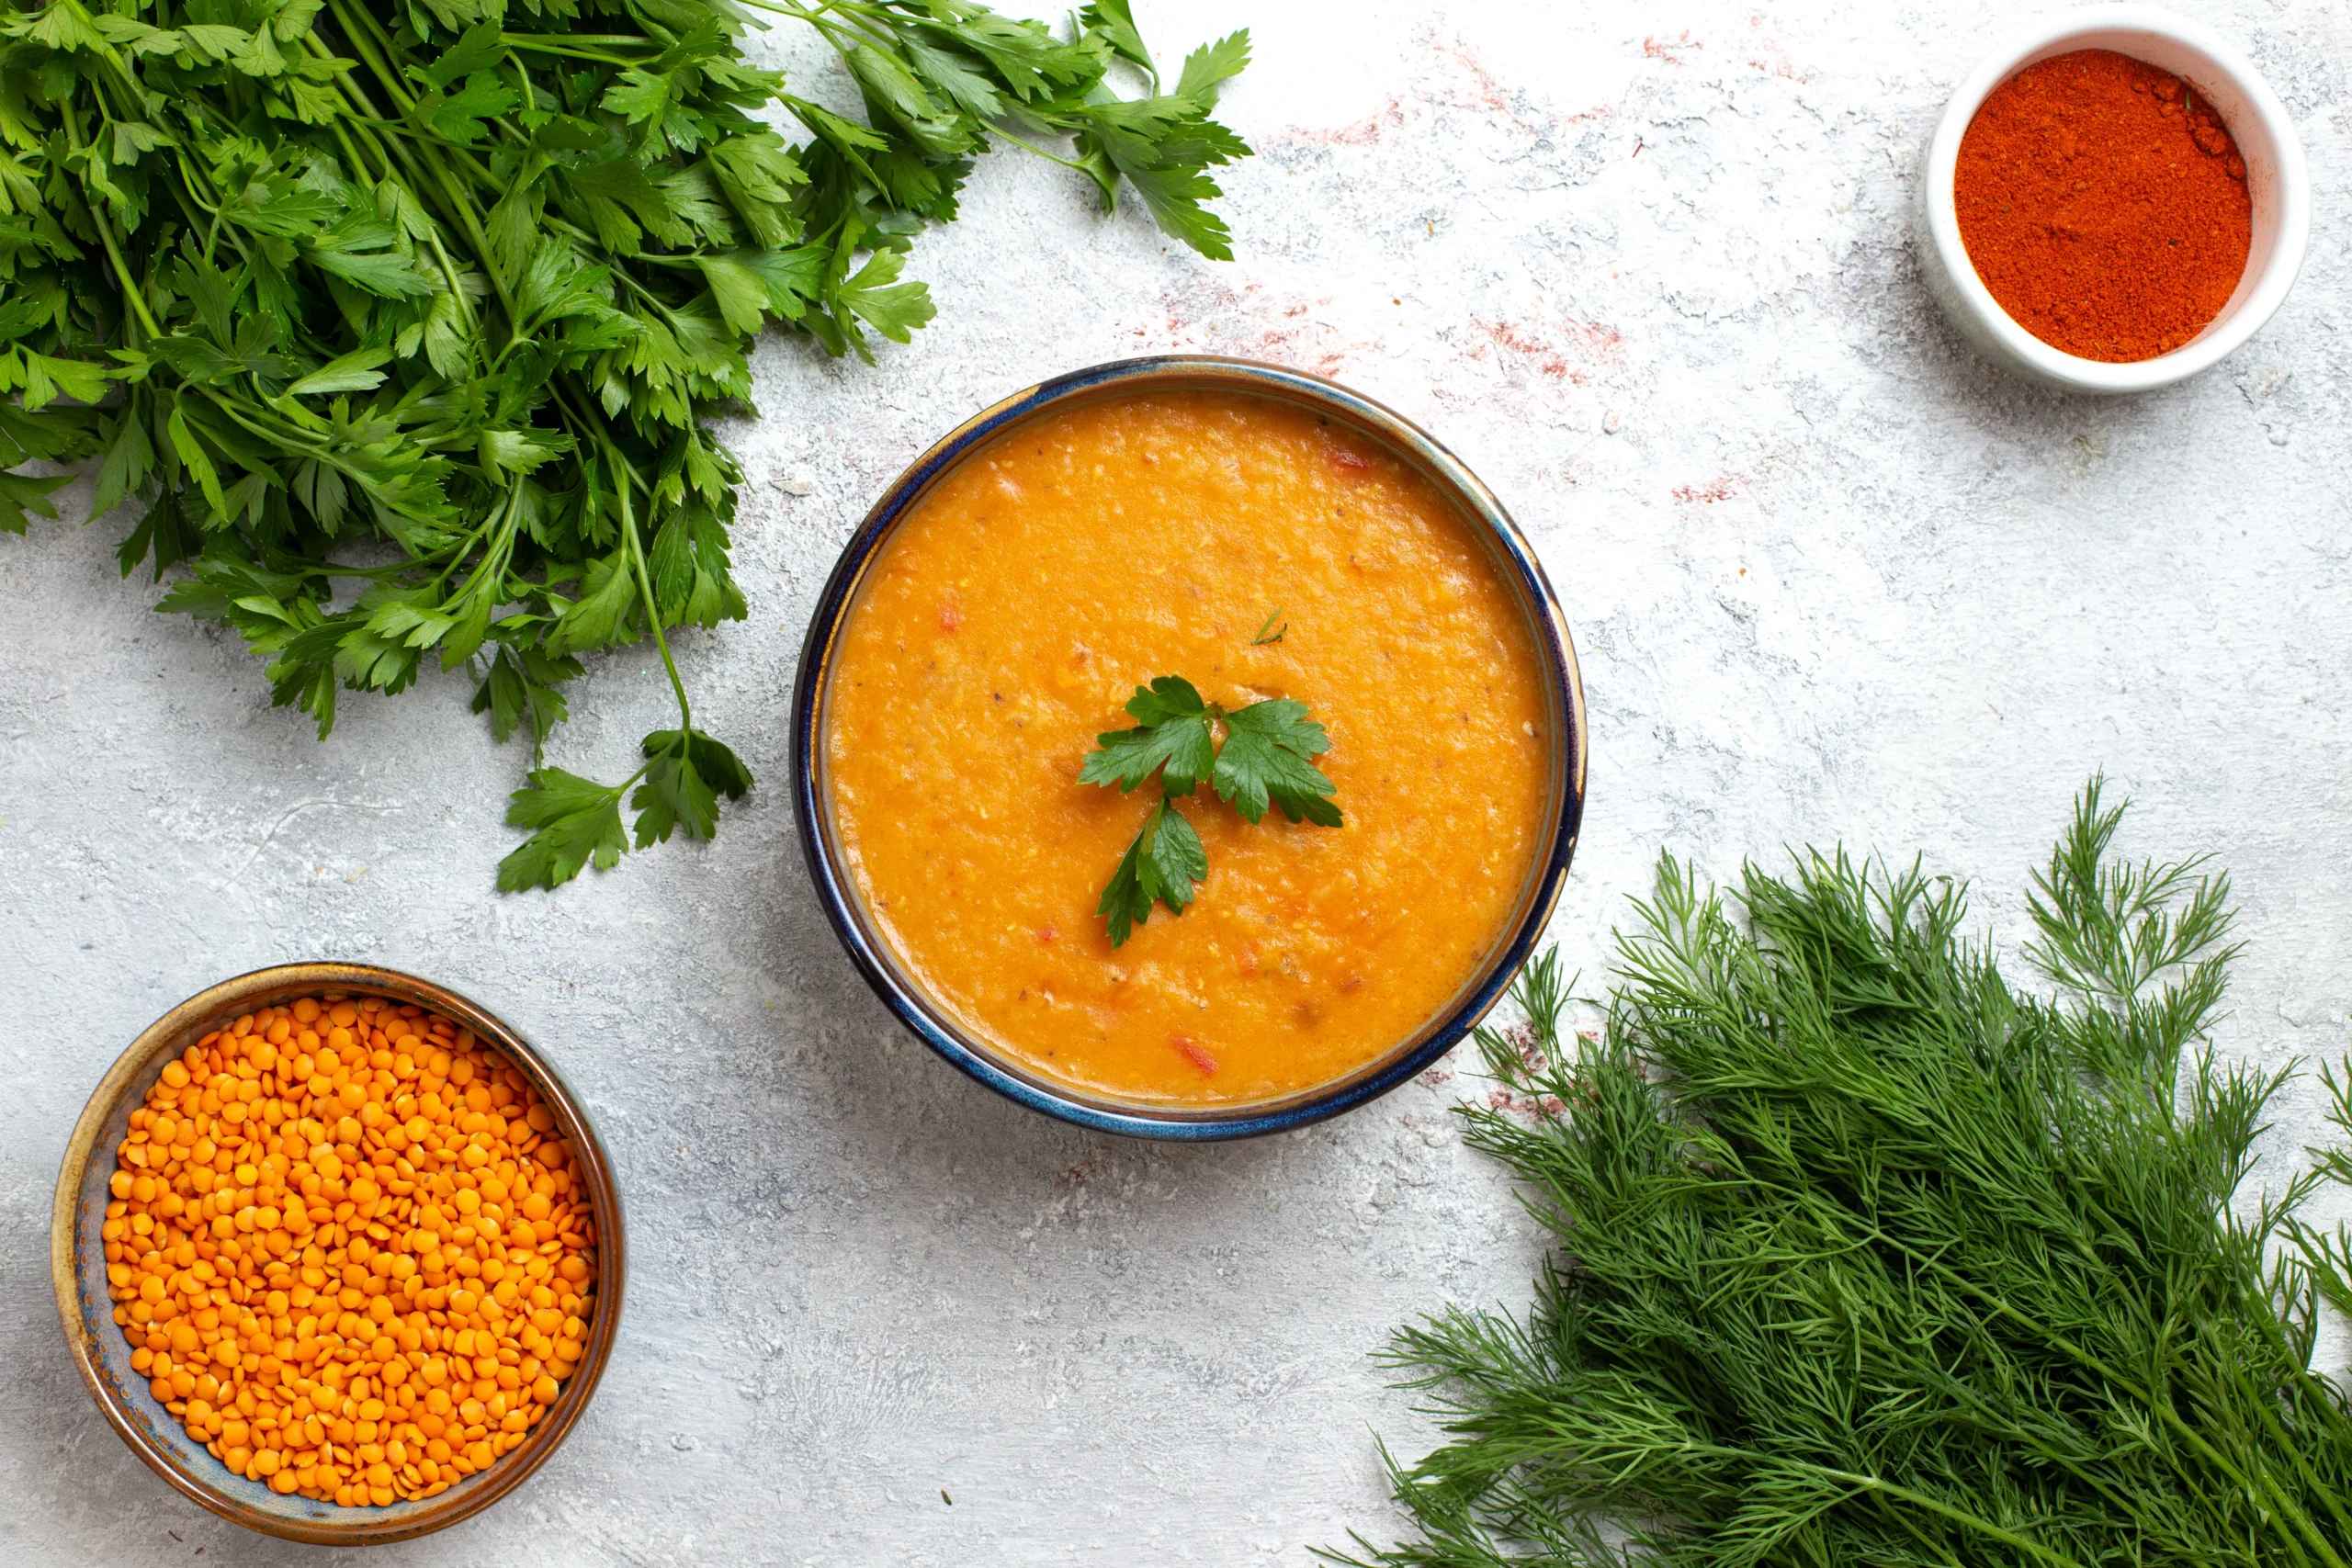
(938, 1028)
(78, 1265)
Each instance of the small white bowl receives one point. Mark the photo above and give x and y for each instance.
(2275, 179)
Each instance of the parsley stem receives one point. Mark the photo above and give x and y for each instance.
(623, 477)
(557, 42)
(368, 42)
(502, 527)
(821, 17)
(541, 46)
(358, 163)
(459, 210)
(131, 289)
(879, 22)
(1026, 146)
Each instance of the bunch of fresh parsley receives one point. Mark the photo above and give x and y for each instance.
(1865, 1256)
(400, 297)
(1267, 759)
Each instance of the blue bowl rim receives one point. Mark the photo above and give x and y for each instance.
(1185, 372)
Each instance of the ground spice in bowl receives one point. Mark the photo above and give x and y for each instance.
(2103, 204)
(351, 1255)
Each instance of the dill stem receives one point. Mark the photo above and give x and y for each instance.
(2161, 1409)
(1957, 1515)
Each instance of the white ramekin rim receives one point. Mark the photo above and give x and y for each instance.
(1966, 291)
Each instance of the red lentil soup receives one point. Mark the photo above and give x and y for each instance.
(1018, 605)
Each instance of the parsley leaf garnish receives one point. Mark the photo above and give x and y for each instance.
(1163, 864)
(1172, 732)
(1266, 759)
(1266, 756)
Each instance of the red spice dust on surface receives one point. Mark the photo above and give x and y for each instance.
(2103, 204)
(1707, 494)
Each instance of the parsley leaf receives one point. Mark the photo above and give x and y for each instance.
(1163, 864)
(1113, 22)
(522, 685)
(1209, 67)
(876, 297)
(1174, 733)
(685, 773)
(21, 494)
(1265, 755)
(578, 822)
(1266, 759)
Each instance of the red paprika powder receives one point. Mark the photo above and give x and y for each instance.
(2104, 204)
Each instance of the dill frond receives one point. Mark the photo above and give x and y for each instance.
(1866, 1256)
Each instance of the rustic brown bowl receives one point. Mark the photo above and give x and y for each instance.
(77, 1264)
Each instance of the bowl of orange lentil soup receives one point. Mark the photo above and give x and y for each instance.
(1324, 577)
(337, 1253)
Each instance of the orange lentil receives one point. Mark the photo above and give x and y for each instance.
(356, 1263)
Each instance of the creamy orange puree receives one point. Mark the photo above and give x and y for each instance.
(1021, 604)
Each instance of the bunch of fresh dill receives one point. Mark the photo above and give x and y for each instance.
(1867, 1257)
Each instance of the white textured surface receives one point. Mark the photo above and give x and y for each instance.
(1830, 580)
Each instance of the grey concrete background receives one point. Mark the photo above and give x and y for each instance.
(1646, 268)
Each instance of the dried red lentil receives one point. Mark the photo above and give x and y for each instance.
(348, 1250)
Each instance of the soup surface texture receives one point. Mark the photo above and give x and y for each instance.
(1020, 605)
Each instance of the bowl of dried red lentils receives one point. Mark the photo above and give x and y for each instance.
(337, 1253)
(2113, 201)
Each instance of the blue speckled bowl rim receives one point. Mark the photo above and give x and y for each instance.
(930, 1023)
(77, 1264)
